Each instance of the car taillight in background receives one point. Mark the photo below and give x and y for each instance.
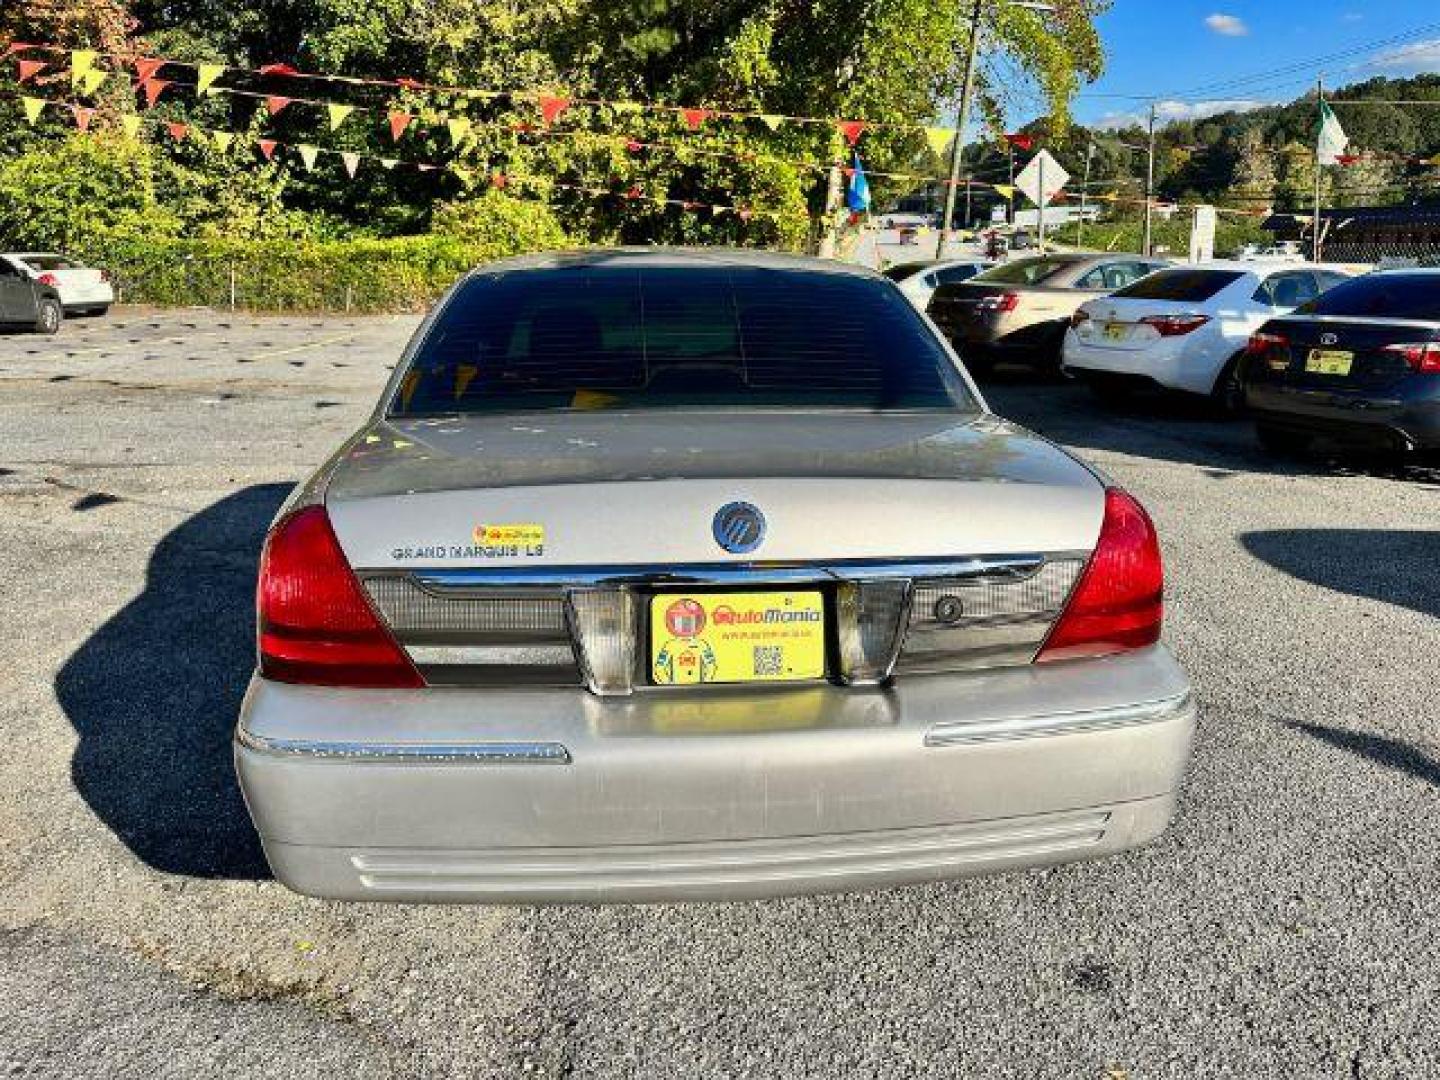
(48, 279)
(105, 276)
(1423, 357)
(1175, 325)
(315, 624)
(1273, 349)
(1118, 604)
(1080, 316)
(1004, 302)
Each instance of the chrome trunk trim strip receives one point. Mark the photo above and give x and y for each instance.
(1069, 723)
(479, 753)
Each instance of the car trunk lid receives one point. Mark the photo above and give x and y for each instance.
(1348, 355)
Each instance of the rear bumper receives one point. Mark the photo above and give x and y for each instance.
(1369, 423)
(557, 796)
(83, 299)
(1169, 364)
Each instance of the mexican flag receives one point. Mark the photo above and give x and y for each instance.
(1331, 141)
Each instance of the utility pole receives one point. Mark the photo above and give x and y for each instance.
(1320, 116)
(962, 122)
(1084, 196)
(1150, 187)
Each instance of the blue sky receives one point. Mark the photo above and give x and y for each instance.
(1195, 55)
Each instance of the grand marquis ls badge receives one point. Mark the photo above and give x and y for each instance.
(738, 527)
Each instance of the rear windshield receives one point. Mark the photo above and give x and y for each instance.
(1024, 271)
(906, 270)
(677, 337)
(1389, 295)
(49, 262)
(1181, 283)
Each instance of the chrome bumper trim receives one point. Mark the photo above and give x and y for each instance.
(480, 753)
(1071, 723)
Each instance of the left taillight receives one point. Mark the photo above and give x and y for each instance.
(315, 624)
(1119, 602)
(1175, 325)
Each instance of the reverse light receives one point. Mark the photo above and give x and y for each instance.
(48, 279)
(1175, 325)
(315, 624)
(1422, 357)
(1004, 302)
(1118, 604)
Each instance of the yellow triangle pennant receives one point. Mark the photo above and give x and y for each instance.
(462, 173)
(92, 80)
(388, 163)
(338, 113)
(939, 139)
(223, 139)
(627, 106)
(459, 127)
(82, 61)
(308, 154)
(352, 162)
(131, 126)
(33, 107)
(772, 120)
(1005, 191)
(205, 76)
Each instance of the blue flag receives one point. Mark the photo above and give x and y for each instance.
(857, 195)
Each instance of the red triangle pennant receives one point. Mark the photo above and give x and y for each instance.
(146, 67)
(29, 69)
(634, 192)
(551, 107)
(399, 121)
(278, 69)
(1021, 141)
(1347, 159)
(267, 147)
(499, 180)
(634, 146)
(83, 116)
(153, 89)
(695, 117)
(14, 47)
(177, 130)
(852, 130)
(274, 103)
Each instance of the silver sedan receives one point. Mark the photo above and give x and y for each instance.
(664, 575)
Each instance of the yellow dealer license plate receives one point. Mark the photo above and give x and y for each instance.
(1115, 331)
(737, 637)
(1329, 361)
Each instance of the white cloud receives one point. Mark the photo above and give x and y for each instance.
(1166, 111)
(1411, 59)
(1227, 25)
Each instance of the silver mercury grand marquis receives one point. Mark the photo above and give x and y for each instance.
(665, 575)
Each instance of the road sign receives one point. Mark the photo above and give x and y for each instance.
(1042, 170)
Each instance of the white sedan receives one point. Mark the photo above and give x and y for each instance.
(1185, 328)
(919, 280)
(84, 290)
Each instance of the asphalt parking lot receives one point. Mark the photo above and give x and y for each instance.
(1287, 926)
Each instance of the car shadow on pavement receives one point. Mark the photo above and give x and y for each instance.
(1378, 564)
(153, 695)
(1392, 753)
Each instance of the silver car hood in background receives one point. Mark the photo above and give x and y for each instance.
(642, 488)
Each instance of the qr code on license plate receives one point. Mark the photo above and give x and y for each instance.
(769, 660)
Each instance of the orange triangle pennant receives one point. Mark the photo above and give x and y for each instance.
(177, 130)
(694, 117)
(274, 103)
(29, 69)
(267, 147)
(145, 68)
(852, 130)
(551, 107)
(399, 121)
(83, 116)
(153, 89)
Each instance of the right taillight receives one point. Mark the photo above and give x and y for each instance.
(315, 624)
(1423, 357)
(48, 279)
(1004, 302)
(1118, 604)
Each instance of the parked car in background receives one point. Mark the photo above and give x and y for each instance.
(1359, 366)
(26, 302)
(84, 290)
(1186, 327)
(663, 575)
(1021, 310)
(919, 280)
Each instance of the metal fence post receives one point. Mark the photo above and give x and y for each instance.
(232, 287)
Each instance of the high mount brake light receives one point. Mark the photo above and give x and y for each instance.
(1423, 357)
(315, 624)
(1175, 325)
(1118, 603)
